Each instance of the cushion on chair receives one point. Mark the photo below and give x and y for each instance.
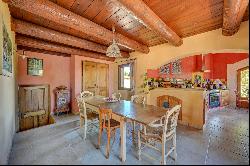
(92, 115)
(165, 104)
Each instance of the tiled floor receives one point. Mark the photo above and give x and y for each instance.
(224, 140)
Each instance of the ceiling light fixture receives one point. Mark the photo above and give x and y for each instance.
(113, 50)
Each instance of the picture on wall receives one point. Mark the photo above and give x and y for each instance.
(34, 67)
(6, 69)
(176, 67)
(165, 69)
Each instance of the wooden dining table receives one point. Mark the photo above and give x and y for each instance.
(124, 110)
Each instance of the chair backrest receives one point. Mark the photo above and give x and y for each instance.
(171, 119)
(138, 99)
(81, 105)
(116, 95)
(105, 115)
(167, 102)
(84, 94)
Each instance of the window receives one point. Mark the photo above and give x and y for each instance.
(125, 76)
(243, 82)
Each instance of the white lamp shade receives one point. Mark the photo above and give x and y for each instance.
(113, 50)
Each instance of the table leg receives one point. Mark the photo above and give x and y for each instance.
(123, 139)
(133, 132)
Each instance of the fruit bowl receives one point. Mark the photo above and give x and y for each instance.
(110, 99)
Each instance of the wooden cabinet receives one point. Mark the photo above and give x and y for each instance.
(224, 97)
(62, 97)
(34, 110)
(95, 78)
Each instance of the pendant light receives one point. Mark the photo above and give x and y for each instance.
(113, 50)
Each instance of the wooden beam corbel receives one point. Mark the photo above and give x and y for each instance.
(25, 28)
(233, 13)
(49, 46)
(141, 11)
(61, 16)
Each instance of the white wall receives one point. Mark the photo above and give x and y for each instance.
(7, 92)
(232, 78)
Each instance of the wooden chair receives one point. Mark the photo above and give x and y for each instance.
(117, 95)
(85, 115)
(167, 102)
(106, 122)
(160, 131)
(140, 99)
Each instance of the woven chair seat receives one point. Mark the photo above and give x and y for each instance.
(156, 133)
(113, 123)
(91, 115)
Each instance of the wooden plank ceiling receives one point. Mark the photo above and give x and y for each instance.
(185, 17)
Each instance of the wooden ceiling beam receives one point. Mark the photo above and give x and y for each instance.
(24, 48)
(57, 14)
(40, 32)
(233, 13)
(142, 12)
(44, 45)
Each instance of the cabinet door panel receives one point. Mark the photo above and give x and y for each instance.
(95, 78)
(33, 106)
(102, 79)
(89, 77)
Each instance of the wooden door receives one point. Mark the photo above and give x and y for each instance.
(90, 76)
(95, 78)
(242, 96)
(102, 79)
(33, 106)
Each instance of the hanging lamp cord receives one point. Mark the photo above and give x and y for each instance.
(113, 29)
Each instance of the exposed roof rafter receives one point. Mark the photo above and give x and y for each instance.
(40, 44)
(40, 32)
(233, 13)
(140, 10)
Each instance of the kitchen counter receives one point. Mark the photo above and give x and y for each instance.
(189, 89)
(193, 109)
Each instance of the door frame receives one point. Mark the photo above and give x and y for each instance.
(238, 82)
(241, 102)
(31, 85)
(83, 65)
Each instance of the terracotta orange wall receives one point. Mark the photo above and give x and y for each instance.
(188, 66)
(220, 62)
(56, 72)
(216, 63)
(76, 76)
